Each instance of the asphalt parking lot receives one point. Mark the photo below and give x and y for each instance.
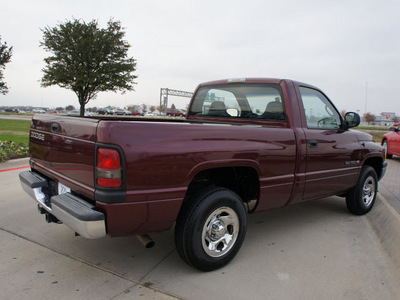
(316, 250)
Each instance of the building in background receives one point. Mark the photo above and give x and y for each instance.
(385, 118)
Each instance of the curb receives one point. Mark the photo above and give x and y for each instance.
(14, 163)
(385, 222)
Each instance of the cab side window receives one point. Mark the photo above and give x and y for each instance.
(320, 113)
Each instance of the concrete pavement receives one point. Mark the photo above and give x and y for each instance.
(389, 186)
(316, 250)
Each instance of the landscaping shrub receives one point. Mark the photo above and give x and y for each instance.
(10, 150)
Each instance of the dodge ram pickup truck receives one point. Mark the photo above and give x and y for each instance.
(245, 146)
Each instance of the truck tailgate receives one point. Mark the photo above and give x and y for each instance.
(63, 148)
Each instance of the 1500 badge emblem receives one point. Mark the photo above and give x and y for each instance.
(352, 162)
(37, 135)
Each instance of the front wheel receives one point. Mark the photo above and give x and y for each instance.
(211, 228)
(361, 198)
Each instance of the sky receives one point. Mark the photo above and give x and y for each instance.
(349, 49)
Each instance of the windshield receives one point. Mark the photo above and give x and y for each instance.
(258, 101)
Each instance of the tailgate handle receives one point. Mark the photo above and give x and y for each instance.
(55, 127)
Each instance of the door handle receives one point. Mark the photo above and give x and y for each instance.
(312, 144)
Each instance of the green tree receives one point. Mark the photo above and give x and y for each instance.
(69, 107)
(5, 57)
(368, 117)
(87, 59)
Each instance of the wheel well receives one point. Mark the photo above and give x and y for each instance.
(243, 181)
(376, 163)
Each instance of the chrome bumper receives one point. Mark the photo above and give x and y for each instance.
(73, 211)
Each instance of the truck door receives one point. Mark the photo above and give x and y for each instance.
(332, 166)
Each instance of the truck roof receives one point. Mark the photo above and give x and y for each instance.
(254, 80)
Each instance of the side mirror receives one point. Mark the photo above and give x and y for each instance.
(395, 129)
(352, 119)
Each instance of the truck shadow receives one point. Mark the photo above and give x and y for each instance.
(127, 257)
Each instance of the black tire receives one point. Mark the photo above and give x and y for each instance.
(385, 145)
(361, 198)
(211, 228)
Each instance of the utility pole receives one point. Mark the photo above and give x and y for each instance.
(366, 96)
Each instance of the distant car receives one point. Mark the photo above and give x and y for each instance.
(149, 114)
(74, 113)
(38, 111)
(175, 113)
(137, 113)
(391, 141)
(101, 111)
(14, 110)
(104, 111)
(121, 111)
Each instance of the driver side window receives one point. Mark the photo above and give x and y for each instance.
(320, 113)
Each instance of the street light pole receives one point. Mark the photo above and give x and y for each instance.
(366, 96)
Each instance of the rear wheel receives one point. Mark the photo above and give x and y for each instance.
(211, 228)
(386, 148)
(361, 198)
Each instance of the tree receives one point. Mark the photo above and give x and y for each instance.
(160, 108)
(5, 57)
(69, 108)
(153, 109)
(368, 117)
(173, 106)
(396, 119)
(87, 59)
(144, 108)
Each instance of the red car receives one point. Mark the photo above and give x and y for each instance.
(175, 113)
(391, 141)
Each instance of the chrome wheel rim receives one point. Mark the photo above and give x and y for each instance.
(220, 232)
(369, 190)
(385, 148)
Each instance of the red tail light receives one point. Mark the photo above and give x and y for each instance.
(108, 169)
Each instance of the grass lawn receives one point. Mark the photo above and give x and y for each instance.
(15, 125)
(16, 138)
(15, 130)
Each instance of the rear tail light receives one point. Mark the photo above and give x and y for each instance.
(108, 169)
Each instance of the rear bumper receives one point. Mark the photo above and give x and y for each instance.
(73, 211)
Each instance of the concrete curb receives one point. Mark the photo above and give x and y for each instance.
(385, 222)
(14, 163)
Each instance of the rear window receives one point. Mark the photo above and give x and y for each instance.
(256, 101)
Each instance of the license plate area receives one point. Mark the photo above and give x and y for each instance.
(62, 189)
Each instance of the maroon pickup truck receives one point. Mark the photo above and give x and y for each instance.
(246, 146)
